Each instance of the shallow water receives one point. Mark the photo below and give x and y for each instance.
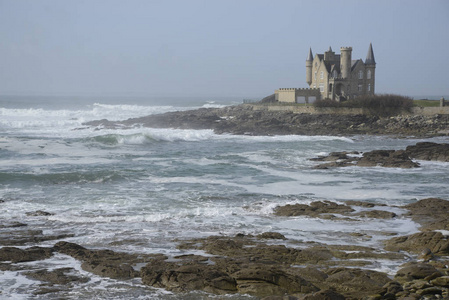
(140, 189)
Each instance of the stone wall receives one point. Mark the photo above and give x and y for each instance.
(425, 111)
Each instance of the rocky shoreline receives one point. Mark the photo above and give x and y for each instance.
(246, 120)
(266, 266)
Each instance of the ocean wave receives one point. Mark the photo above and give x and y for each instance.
(148, 136)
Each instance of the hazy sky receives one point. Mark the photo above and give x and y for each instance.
(243, 48)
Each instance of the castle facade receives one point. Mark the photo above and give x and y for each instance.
(338, 76)
(334, 76)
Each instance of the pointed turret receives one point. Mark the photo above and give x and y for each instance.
(310, 57)
(309, 63)
(330, 49)
(370, 56)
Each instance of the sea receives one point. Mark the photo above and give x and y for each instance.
(141, 190)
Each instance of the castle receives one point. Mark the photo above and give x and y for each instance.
(333, 76)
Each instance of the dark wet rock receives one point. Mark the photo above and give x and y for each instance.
(429, 151)
(362, 203)
(414, 271)
(20, 236)
(387, 158)
(181, 278)
(38, 213)
(262, 281)
(315, 209)
(416, 243)
(16, 255)
(334, 156)
(286, 297)
(356, 283)
(375, 158)
(60, 276)
(104, 263)
(271, 235)
(12, 225)
(376, 214)
(324, 295)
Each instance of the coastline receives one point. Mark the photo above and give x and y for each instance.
(265, 266)
(254, 120)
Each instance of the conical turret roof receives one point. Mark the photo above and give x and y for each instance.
(310, 57)
(370, 56)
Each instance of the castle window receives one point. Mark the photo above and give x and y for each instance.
(321, 87)
(369, 87)
(360, 74)
(315, 76)
(321, 75)
(368, 74)
(360, 88)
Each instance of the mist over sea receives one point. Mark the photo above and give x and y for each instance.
(141, 189)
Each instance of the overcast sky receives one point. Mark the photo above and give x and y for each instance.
(242, 48)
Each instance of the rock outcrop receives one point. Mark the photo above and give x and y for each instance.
(387, 158)
(258, 120)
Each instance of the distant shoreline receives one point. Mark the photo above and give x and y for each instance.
(255, 120)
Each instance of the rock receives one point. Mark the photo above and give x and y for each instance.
(18, 234)
(254, 119)
(315, 209)
(441, 281)
(261, 281)
(16, 255)
(105, 263)
(38, 213)
(12, 225)
(362, 203)
(414, 271)
(271, 235)
(324, 295)
(376, 214)
(387, 158)
(57, 276)
(382, 158)
(205, 277)
(392, 288)
(432, 213)
(429, 151)
(416, 243)
(356, 283)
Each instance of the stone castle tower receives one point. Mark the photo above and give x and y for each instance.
(338, 77)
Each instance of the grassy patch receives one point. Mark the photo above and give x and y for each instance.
(426, 103)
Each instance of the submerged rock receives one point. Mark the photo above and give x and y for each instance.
(38, 213)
